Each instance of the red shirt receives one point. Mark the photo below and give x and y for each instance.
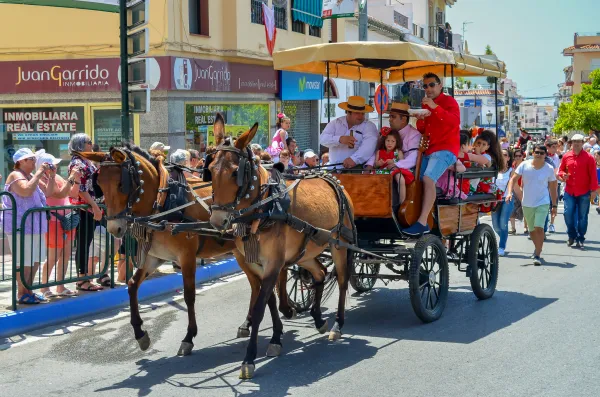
(465, 186)
(443, 126)
(582, 173)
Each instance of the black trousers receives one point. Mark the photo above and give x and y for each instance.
(85, 235)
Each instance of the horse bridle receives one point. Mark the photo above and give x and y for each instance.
(130, 184)
(247, 174)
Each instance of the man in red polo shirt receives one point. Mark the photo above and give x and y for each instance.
(578, 171)
(441, 123)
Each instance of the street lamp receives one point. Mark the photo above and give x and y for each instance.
(489, 116)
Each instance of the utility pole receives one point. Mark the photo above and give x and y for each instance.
(363, 35)
(463, 33)
(124, 72)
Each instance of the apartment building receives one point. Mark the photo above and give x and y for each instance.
(585, 57)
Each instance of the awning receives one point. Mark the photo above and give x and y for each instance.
(308, 11)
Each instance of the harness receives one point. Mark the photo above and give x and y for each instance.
(130, 183)
(272, 203)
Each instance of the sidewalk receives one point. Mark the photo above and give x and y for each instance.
(163, 281)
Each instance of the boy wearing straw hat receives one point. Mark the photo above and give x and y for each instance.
(351, 139)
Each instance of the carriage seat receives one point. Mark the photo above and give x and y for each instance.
(478, 172)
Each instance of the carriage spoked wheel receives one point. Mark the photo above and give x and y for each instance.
(300, 284)
(361, 268)
(482, 257)
(428, 278)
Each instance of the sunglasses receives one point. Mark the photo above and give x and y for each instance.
(430, 85)
(518, 155)
(539, 152)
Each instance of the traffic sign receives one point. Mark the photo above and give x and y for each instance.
(382, 99)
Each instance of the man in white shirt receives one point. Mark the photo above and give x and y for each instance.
(351, 139)
(538, 179)
(591, 145)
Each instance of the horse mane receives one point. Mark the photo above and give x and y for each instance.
(141, 152)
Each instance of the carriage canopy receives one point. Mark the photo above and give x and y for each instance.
(392, 62)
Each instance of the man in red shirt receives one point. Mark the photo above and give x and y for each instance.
(578, 171)
(441, 123)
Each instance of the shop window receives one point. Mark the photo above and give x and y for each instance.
(200, 117)
(49, 128)
(107, 128)
(198, 12)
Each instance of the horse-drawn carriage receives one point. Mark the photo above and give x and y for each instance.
(457, 236)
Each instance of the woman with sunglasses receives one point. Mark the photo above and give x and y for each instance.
(88, 217)
(517, 212)
(503, 212)
(24, 184)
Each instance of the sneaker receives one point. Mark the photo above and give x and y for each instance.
(551, 229)
(526, 232)
(579, 244)
(501, 252)
(598, 210)
(537, 261)
(513, 231)
(570, 242)
(416, 230)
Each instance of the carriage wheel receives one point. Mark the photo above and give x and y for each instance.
(300, 284)
(358, 269)
(428, 278)
(300, 294)
(482, 257)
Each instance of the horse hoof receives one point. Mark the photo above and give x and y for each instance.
(243, 333)
(335, 335)
(144, 342)
(185, 349)
(247, 371)
(323, 328)
(273, 350)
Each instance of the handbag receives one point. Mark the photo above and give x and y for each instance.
(69, 221)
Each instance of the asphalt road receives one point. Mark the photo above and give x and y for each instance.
(538, 336)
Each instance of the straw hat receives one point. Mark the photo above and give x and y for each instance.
(400, 108)
(356, 104)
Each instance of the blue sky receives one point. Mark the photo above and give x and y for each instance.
(529, 35)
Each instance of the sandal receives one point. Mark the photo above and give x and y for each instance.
(104, 280)
(512, 232)
(41, 298)
(27, 299)
(90, 287)
(48, 294)
(67, 293)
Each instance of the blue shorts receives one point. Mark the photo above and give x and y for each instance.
(434, 165)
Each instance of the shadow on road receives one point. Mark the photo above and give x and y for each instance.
(383, 313)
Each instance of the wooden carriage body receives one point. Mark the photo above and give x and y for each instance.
(374, 198)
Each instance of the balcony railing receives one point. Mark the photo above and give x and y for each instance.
(585, 76)
(439, 38)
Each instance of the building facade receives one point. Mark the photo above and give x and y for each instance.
(205, 56)
(585, 57)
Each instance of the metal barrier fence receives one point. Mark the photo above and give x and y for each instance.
(45, 251)
(8, 240)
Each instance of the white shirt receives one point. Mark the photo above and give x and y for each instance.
(502, 180)
(411, 139)
(535, 183)
(366, 140)
(556, 160)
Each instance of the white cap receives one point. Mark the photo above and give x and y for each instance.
(159, 146)
(309, 154)
(43, 157)
(577, 137)
(22, 154)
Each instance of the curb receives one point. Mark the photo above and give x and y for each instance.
(40, 316)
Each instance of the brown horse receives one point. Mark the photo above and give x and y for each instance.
(182, 248)
(237, 184)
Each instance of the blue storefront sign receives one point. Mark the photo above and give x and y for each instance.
(469, 103)
(301, 86)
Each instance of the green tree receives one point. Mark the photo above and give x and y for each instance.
(488, 50)
(583, 113)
